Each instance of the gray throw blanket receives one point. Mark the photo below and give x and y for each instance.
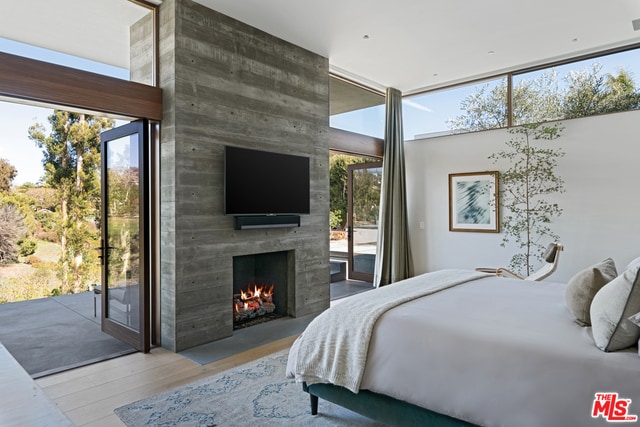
(333, 348)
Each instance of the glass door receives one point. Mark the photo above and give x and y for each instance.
(125, 244)
(363, 185)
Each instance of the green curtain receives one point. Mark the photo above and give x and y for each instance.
(393, 255)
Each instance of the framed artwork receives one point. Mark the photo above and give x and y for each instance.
(473, 202)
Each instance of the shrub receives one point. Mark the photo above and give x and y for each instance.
(32, 260)
(27, 246)
(39, 284)
(335, 219)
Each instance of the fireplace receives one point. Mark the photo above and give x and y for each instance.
(261, 287)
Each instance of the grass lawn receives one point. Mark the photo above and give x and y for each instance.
(46, 252)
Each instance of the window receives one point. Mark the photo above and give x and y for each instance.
(598, 85)
(356, 109)
(468, 108)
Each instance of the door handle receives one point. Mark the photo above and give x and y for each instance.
(101, 249)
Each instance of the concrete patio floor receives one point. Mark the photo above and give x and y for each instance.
(54, 334)
(51, 335)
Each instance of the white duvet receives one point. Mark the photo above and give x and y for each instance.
(494, 352)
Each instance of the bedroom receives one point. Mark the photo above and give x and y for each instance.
(603, 198)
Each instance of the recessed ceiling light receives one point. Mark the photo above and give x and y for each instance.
(491, 52)
(575, 40)
(366, 37)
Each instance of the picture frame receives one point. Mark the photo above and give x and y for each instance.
(473, 202)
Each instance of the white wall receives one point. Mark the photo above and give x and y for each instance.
(601, 204)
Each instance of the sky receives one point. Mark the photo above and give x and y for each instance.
(423, 114)
(15, 119)
(15, 145)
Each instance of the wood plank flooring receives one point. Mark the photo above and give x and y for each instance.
(88, 395)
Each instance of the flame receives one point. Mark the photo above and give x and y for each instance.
(269, 292)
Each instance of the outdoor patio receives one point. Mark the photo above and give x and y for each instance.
(50, 335)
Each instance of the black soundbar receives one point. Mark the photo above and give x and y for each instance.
(266, 221)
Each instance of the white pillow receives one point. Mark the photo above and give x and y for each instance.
(610, 311)
(584, 285)
(633, 263)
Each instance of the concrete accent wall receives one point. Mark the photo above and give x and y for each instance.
(226, 83)
(141, 51)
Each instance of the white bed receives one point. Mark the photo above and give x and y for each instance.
(490, 351)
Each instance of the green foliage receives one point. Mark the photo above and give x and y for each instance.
(542, 99)
(12, 228)
(335, 219)
(47, 225)
(21, 203)
(7, 175)
(27, 246)
(72, 164)
(39, 197)
(366, 197)
(593, 93)
(338, 184)
(40, 283)
(484, 109)
(525, 189)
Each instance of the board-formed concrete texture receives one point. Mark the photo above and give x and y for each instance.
(227, 83)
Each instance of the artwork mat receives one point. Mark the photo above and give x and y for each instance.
(459, 182)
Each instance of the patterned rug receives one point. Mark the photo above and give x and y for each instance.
(255, 394)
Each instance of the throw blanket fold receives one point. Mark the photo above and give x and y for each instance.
(333, 348)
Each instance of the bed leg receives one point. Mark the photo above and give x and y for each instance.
(314, 404)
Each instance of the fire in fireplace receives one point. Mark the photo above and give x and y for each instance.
(253, 303)
(260, 287)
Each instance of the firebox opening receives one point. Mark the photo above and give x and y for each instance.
(260, 288)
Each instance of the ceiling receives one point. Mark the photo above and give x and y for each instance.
(412, 45)
(92, 29)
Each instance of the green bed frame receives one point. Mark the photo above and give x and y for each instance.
(380, 407)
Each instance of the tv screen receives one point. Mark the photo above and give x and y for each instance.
(265, 183)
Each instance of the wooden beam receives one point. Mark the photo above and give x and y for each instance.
(43, 82)
(355, 143)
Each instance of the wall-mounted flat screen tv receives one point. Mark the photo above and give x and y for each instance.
(265, 183)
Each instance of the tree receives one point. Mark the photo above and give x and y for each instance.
(7, 175)
(484, 109)
(524, 190)
(545, 98)
(338, 188)
(338, 193)
(12, 228)
(71, 162)
(589, 92)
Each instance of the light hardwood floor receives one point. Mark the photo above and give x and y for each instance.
(88, 395)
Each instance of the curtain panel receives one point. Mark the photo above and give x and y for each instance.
(393, 255)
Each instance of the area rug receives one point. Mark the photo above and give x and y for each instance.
(255, 394)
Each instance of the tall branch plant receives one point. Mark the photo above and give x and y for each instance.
(525, 190)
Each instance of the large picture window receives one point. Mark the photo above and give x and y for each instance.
(602, 84)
